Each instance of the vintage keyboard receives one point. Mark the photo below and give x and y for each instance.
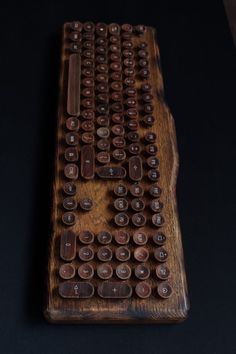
(115, 251)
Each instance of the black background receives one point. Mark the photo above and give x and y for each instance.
(198, 62)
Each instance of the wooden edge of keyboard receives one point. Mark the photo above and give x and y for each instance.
(170, 310)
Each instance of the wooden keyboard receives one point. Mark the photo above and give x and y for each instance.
(115, 251)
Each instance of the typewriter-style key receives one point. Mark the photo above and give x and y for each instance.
(129, 72)
(117, 107)
(149, 120)
(130, 91)
(104, 237)
(102, 68)
(153, 161)
(123, 253)
(69, 188)
(126, 36)
(159, 238)
(102, 78)
(147, 97)
(146, 87)
(143, 290)
(103, 121)
(86, 253)
(129, 81)
(151, 149)
(135, 167)
(101, 29)
(114, 28)
(137, 204)
(104, 254)
(119, 142)
(116, 96)
(86, 204)
(88, 82)
(139, 219)
(116, 86)
(72, 138)
(123, 271)
(103, 132)
(86, 271)
(88, 72)
(88, 126)
(128, 53)
(70, 203)
(142, 45)
(122, 237)
(135, 149)
(71, 154)
(69, 218)
(121, 204)
(89, 26)
(116, 76)
(164, 290)
(145, 73)
(75, 47)
(157, 220)
(119, 154)
(133, 136)
(76, 26)
(73, 91)
(101, 41)
(87, 161)
(127, 44)
(156, 205)
(86, 237)
(101, 49)
(111, 172)
(71, 171)
(118, 129)
(140, 29)
(68, 245)
(136, 190)
(143, 63)
(141, 254)
(103, 88)
(88, 63)
(121, 219)
(88, 103)
(132, 113)
(126, 27)
(148, 108)
(129, 62)
(72, 123)
(87, 138)
(160, 254)
(115, 57)
(103, 144)
(132, 125)
(115, 39)
(101, 59)
(102, 108)
(150, 137)
(104, 271)
(76, 289)
(142, 53)
(153, 175)
(115, 48)
(88, 114)
(88, 45)
(88, 36)
(67, 271)
(120, 190)
(162, 272)
(114, 290)
(103, 157)
(140, 238)
(117, 118)
(88, 53)
(130, 102)
(103, 98)
(142, 271)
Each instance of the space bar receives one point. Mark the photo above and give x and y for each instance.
(114, 290)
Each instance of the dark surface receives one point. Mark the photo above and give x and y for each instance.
(199, 62)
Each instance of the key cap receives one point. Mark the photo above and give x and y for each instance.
(153, 162)
(86, 237)
(120, 190)
(87, 161)
(122, 237)
(76, 26)
(151, 149)
(104, 237)
(71, 171)
(143, 290)
(160, 254)
(140, 238)
(123, 253)
(70, 203)
(76, 289)
(155, 191)
(117, 118)
(89, 26)
(135, 149)
(121, 204)
(156, 205)
(142, 271)
(72, 139)
(137, 204)
(69, 188)
(88, 114)
(86, 204)
(103, 144)
(139, 219)
(141, 254)
(104, 254)
(157, 220)
(115, 290)
(118, 129)
(164, 290)
(104, 271)
(119, 154)
(86, 253)
(87, 138)
(146, 87)
(88, 126)
(136, 190)
(103, 121)
(119, 142)
(133, 125)
(162, 272)
(111, 172)
(73, 91)
(159, 238)
(69, 218)
(68, 245)
(126, 27)
(86, 271)
(135, 168)
(67, 271)
(133, 136)
(103, 132)
(140, 29)
(123, 271)
(72, 123)
(153, 175)
(149, 120)
(103, 157)
(121, 219)
(71, 154)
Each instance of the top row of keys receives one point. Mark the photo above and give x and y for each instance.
(101, 28)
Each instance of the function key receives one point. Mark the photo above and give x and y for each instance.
(103, 157)
(121, 219)
(71, 154)
(155, 191)
(123, 271)
(72, 123)
(104, 254)
(86, 253)
(156, 205)
(104, 271)
(160, 254)
(140, 29)
(142, 271)
(120, 190)
(76, 26)
(141, 254)
(86, 204)
(86, 271)
(104, 237)
(70, 203)
(146, 87)
(89, 26)
(122, 237)
(123, 253)
(140, 238)
(164, 290)
(69, 188)
(150, 137)
(71, 171)
(159, 238)
(137, 190)
(157, 220)
(101, 29)
(86, 237)
(139, 219)
(162, 272)
(121, 204)
(67, 271)
(143, 290)
(137, 204)
(69, 218)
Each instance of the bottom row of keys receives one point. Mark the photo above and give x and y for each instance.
(113, 290)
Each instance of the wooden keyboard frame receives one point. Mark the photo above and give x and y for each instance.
(95, 309)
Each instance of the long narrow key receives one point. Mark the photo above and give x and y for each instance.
(68, 245)
(87, 161)
(111, 172)
(73, 91)
(76, 289)
(115, 290)
(135, 168)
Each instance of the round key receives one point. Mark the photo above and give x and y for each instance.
(146, 87)
(142, 53)
(148, 108)
(139, 219)
(86, 237)
(129, 81)
(159, 238)
(67, 271)
(136, 190)
(71, 171)
(120, 190)
(103, 98)
(118, 129)
(103, 132)
(119, 142)
(135, 148)
(103, 144)
(162, 272)
(72, 123)
(152, 161)
(114, 39)
(101, 41)
(116, 66)
(102, 108)
(86, 271)
(121, 204)
(87, 92)
(88, 63)
(157, 220)
(127, 44)
(132, 124)
(104, 237)
(89, 26)
(104, 271)
(71, 154)
(116, 86)
(121, 219)
(86, 253)
(102, 68)
(116, 96)
(122, 237)
(156, 205)
(101, 50)
(102, 87)
(88, 103)
(155, 191)
(102, 78)
(153, 175)
(127, 53)
(88, 45)
(114, 48)
(69, 218)
(119, 154)
(76, 26)
(143, 290)
(130, 102)
(137, 204)
(140, 238)
(88, 72)
(101, 59)
(123, 253)
(70, 203)
(88, 114)
(149, 120)
(87, 138)
(126, 36)
(117, 118)
(140, 29)
(127, 28)
(160, 254)
(133, 136)
(75, 47)
(123, 271)
(143, 63)
(117, 107)
(129, 72)
(103, 157)
(103, 121)
(104, 254)
(101, 29)
(88, 126)
(147, 97)
(130, 91)
(116, 76)
(72, 138)
(142, 271)
(86, 204)
(164, 290)
(132, 113)
(88, 36)
(114, 28)
(69, 188)
(141, 254)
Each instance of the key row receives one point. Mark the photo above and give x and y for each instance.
(102, 29)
